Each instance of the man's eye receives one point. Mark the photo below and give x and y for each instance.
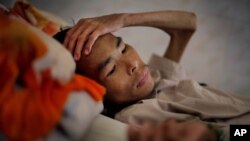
(112, 71)
(124, 50)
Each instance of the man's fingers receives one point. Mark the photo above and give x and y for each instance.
(75, 36)
(67, 38)
(80, 42)
(133, 133)
(159, 133)
(72, 42)
(146, 132)
(91, 40)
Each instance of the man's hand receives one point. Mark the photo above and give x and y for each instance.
(171, 130)
(145, 132)
(86, 31)
(179, 25)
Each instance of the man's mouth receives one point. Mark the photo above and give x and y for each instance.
(143, 78)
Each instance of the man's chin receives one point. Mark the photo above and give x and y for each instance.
(147, 90)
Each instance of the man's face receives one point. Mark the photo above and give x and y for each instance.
(119, 68)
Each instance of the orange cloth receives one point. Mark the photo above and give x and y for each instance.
(32, 111)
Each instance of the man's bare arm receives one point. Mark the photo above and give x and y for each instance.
(179, 25)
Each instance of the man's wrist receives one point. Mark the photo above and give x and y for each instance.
(126, 19)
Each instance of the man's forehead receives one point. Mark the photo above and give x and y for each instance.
(107, 39)
(103, 45)
(101, 49)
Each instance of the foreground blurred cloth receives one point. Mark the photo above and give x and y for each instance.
(39, 92)
(43, 20)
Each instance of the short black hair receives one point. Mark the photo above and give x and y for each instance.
(60, 36)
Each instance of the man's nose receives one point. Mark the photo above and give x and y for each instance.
(131, 66)
(131, 70)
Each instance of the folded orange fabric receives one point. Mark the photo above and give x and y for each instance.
(30, 107)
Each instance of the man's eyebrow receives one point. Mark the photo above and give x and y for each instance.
(103, 64)
(118, 41)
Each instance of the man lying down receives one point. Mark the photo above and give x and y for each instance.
(159, 93)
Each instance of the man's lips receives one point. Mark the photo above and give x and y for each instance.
(143, 78)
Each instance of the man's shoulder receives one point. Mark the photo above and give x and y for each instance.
(168, 69)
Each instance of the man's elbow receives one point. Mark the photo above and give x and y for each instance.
(192, 22)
